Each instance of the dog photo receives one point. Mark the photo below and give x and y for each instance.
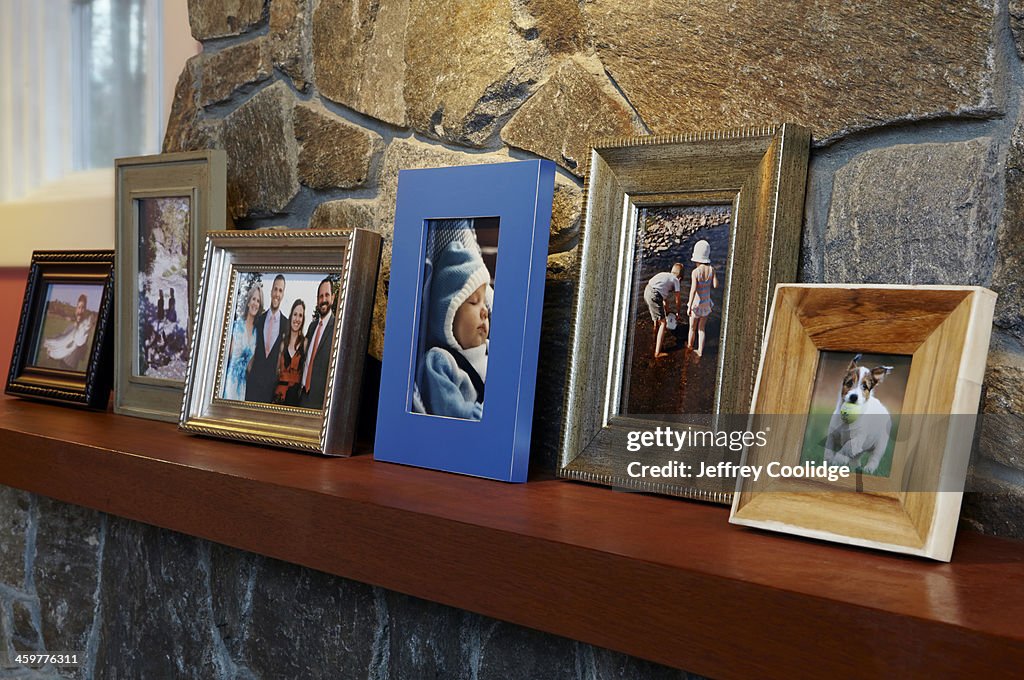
(855, 410)
(675, 314)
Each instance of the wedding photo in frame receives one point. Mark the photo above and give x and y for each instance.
(463, 318)
(165, 204)
(63, 351)
(280, 338)
(684, 238)
(883, 381)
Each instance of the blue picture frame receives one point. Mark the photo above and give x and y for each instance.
(497, 446)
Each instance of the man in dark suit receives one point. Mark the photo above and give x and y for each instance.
(262, 378)
(319, 340)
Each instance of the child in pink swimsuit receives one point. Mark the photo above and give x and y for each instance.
(702, 281)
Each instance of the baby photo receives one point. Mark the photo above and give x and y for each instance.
(675, 315)
(455, 318)
(281, 332)
(69, 326)
(855, 411)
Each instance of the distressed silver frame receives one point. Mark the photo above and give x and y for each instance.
(352, 253)
(762, 172)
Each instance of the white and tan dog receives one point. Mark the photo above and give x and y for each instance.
(860, 423)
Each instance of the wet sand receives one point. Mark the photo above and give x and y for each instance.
(680, 382)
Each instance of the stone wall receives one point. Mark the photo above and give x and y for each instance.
(916, 176)
(142, 602)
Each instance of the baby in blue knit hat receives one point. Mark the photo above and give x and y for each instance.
(458, 326)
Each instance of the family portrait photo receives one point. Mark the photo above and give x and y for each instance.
(163, 292)
(675, 313)
(456, 302)
(280, 336)
(855, 411)
(69, 325)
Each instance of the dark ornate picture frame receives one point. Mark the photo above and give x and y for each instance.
(89, 388)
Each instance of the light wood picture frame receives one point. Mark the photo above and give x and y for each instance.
(339, 267)
(165, 204)
(753, 176)
(914, 507)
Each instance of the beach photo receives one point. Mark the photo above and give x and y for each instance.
(163, 291)
(456, 301)
(675, 310)
(280, 336)
(855, 410)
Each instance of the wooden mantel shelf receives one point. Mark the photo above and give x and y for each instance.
(663, 579)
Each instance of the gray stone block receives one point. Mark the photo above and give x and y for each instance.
(425, 640)
(69, 541)
(307, 624)
(24, 633)
(509, 651)
(915, 214)
(14, 509)
(156, 616)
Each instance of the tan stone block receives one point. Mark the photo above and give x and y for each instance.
(359, 58)
(346, 213)
(224, 72)
(289, 39)
(184, 112)
(566, 115)
(405, 154)
(560, 24)
(1016, 11)
(467, 69)
(566, 213)
(221, 18)
(333, 153)
(259, 138)
(564, 266)
(838, 67)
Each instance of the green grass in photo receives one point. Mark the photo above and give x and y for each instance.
(818, 422)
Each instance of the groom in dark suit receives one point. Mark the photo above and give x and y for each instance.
(319, 340)
(262, 378)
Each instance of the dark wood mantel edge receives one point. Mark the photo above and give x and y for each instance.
(684, 616)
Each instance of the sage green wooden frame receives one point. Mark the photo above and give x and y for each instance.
(762, 172)
(201, 175)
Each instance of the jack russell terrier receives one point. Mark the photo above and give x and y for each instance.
(860, 423)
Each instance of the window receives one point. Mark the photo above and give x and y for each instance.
(117, 80)
(80, 84)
